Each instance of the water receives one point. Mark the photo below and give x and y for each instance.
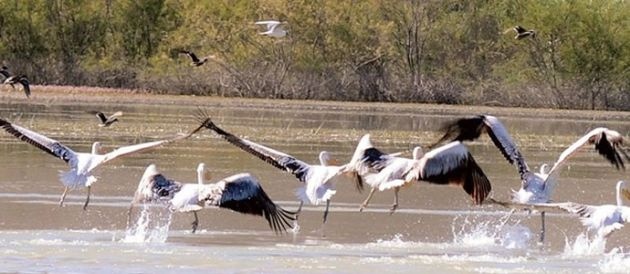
(435, 230)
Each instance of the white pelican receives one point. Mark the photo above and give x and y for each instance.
(195, 60)
(449, 164)
(241, 193)
(521, 32)
(601, 219)
(81, 164)
(274, 28)
(318, 179)
(22, 80)
(535, 187)
(106, 120)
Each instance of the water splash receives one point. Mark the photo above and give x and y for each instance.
(583, 246)
(151, 227)
(491, 233)
(615, 261)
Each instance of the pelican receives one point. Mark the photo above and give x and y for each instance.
(241, 193)
(12, 80)
(602, 219)
(195, 60)
(274, 28)
(318, 179)
(81, 164)
(522, 32)
(105, 120)
(449, 164)
(535, 187)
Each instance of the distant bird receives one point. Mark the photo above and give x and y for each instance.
(195, 60)
(12, 80)
(274, 28)
(535, 187)
(449, 164)
(105, 120)
(4, 71)
(602, 219)
(241, 193)
(318, 179)
(521, 32)
(81, 164)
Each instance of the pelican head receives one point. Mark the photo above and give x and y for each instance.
(623, 191)
(417, 153)
(544, 169)
(324, 158)
(96, 148)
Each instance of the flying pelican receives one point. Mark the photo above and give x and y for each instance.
(241, 193)
(105, 120)
(195, 60)
(602, 219)
(318, 179)
(449, 164)
(522, 32)
(12, 80)
(535, 187)
(81, 164)
(274, 28)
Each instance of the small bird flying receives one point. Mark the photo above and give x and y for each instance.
(274, 28)
(105, 120)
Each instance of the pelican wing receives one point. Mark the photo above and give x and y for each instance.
(42, 142)
(5, 73)
(607, 142)
(468, 129)
(452, 164)
(243, 193)
(519, 29)
(269, 23)
(25, 85)
(273, 157)
(116, 115)
(155, 187)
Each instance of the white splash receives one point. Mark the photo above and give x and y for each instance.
(583, 246)
(615, 261)
(149, 228)
(491, 233)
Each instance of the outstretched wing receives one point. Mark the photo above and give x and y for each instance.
(273, 157)
(25, 85)
(468, 129)
(519, 29)
(366, 159)
(155, 187)
(608, 143)
(243, 193)
(452, 164)
(42, 142)
(101, 116)
(270, 24)
(190, 54)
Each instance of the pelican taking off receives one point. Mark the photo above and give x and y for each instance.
(601, 219)
(318, 179)
(81, 164)
(106, 120)
(535, 187)
(449, 164)
(241, 193)
(274, 28)
(22, 80)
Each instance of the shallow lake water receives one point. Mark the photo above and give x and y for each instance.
(435, 229)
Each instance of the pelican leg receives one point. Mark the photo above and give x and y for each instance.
(195, 223)
(367, 200)
(296, 226)
(63, 196)
(326, 211)
(395, 204)
(542, 228)
(87, 200)
(129, 215)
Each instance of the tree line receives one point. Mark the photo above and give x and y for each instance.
(451, 51)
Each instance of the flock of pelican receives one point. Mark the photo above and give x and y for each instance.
(448, 162)
(444, 164)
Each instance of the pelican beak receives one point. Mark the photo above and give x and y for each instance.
(207, 175)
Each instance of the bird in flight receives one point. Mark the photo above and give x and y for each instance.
(522, 32)
(195, 60)
(241, 193)
(106, 121)
(81, 164)
(274, 28)
(22, 80)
